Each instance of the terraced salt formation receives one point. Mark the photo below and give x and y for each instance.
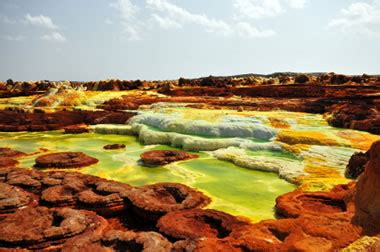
(300, 147)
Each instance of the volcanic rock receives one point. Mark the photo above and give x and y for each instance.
(65, 160)
(13, 121)
(28, 180)
(335, 202)
(76, 129)
(104, 197)
(40, 227)
(12, 198)
(163, 157)
(9, 153)
(114, 146)
(306, 233)
(115, 240)
(153, 201)
(356, 165)
(367, 198)
(361, 116)
(59, 196)
(7, 163)
(208, 245)
(198, 223)
(327, 233)
(301, 79)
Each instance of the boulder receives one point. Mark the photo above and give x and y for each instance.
(163, 157)
(64, 160)
(367, 198)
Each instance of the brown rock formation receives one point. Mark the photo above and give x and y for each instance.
(114, 146)
(65, 160)
(29, 180)
(153, 201)
(43, 228)
(306, 233)
(198, 223)
(163, 157)
(104, 197)
(13, 198)
(297, 203)
(360, 116)
(208, 245)
(367, 198)
(59, 196)
(13, 121)
(114, 240)
(9, 153)
(356, 165)
(76, 129)
(7, 163)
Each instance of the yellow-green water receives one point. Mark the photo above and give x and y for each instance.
(233, 189)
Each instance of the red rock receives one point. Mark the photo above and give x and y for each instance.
(7, 163)
(152, 201)
(296, 203)
(13, 198)
(65, 160)
(306, 233)
(356, 165)
(208, 245)
(163, 157)
(76, 129)
(9, 153)
(198, 223)
(301, 79)
(114, 146)
(14, 121)
(362, 116)
(367, 197)
(104, 197)
(43, 228)
(28, 180)
(322, 233)
(264, 236)
(59, 196)
(115, 240)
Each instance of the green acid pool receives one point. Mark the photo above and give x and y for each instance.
(233, 189)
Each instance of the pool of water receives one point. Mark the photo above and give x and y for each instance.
(233, 189)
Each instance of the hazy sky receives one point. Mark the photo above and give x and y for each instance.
(167, 39)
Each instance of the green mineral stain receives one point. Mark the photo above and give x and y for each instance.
(233, 189)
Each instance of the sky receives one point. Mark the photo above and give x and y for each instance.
(167, 39)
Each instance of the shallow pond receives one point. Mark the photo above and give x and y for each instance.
(233, 189)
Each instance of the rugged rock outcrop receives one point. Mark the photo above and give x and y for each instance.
(367, 198)
(76, 129)
(336, 202)
(163, 157)
(8, 162)
(13, 121)
(9, 153)
(355, 166)
(153, 201)
(114, 240)
(43, 228)
(64, 160)
(13, 198)
(198, 223)
(359, 116)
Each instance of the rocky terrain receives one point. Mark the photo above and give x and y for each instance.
(71, 211)
(311, 129)
(347, 101)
